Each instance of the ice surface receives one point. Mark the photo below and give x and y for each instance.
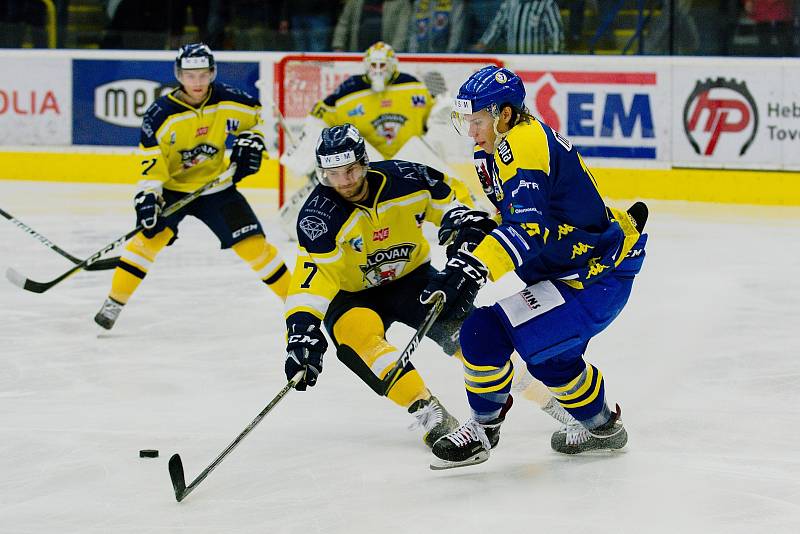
(705, 361)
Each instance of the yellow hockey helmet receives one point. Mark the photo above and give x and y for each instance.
(380, 65)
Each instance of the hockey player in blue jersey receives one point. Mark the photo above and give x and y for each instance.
(577, 257)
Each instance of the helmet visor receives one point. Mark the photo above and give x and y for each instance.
(333, 161)
(461, 115)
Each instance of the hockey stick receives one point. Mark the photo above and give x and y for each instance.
(288, 212)
(382, 386)
(176, 465)
(101, 265)
(16, 278)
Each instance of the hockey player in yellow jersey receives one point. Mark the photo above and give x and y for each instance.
(362, 262)
(182, 147)
(388, 107)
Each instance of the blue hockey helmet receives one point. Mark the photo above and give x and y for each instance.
(339, 146)
(490, 88)
(195, 56)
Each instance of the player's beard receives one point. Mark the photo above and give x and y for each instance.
(356, 194)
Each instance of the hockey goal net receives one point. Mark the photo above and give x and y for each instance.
(303, 79)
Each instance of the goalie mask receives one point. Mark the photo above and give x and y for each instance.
(195, 56)
(340, 146)
(490, 88)
(380, 65)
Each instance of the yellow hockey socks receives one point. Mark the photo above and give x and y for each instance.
(362, 330)
(263, 258)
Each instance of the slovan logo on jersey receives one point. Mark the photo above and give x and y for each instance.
(197, 155)
(387, 264)
(124, 102)
(388, 125)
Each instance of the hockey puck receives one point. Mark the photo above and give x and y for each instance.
(148, 453)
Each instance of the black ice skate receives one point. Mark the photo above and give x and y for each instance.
(575, 438)
(433, 418)
(470, 443)
(109, 313)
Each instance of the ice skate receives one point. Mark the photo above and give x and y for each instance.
(108, 314)
(470, 443)
(434, 418)
(574, 438)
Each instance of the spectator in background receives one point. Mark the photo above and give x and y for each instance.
(605, 10)
(310, 23)
(437, 26)
(773, 18)
(137, 24)
(727, 19)
(207, 16)
(479, 14)
(256, 25)
(529, 27)
(364, 22)
(686, 37)
(16, 18)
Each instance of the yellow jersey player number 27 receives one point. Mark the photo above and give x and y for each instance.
(182, 147)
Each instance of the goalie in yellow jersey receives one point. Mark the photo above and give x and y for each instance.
(391, 109)
(182, 148)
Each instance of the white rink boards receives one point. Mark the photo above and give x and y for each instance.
(704, 361)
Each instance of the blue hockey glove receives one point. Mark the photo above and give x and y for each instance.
(459, 282)
(148, 207)
(463, 225)
(304, 352)
(246, 153)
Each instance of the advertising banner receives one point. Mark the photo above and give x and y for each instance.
(609, 114)
(35, 101)
(727, 116)
(783, 119)
(110, 96)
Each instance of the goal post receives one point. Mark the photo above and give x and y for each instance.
(300, 80)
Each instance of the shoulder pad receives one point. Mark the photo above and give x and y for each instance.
(222, 91)
(404, 78)
(408, 170)
(153, 118)
(320, 219)
(349, 86)
(525, 147)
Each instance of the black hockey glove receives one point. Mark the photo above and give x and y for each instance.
(463, 225)
(304, 352)
(246, 153)
(459, 282)
(148, 207)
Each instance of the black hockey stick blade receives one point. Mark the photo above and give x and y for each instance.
(40, 287)
(353, 361)
(639, 212)
(176, 466)
(177, 476)
(100, 265)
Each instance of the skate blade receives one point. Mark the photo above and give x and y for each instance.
(438, 464)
